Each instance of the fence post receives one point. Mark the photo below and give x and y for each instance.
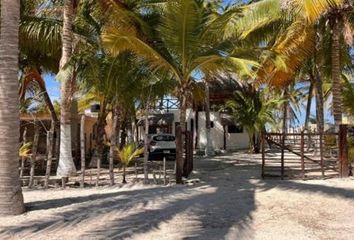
(321, 154)
(179, 155)
(34, 154)
(188, 163)
(164, 171)
(343, 167)
(263, 154)
(282, 154)
(82, 151)
(302, 155)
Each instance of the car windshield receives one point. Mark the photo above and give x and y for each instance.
(165, 138)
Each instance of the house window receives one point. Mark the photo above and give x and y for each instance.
(211, 124)
(152, 129)
(234, 129)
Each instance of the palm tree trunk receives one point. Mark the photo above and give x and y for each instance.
(50, 143)
(34, 154)
(33, 74)
(11, 199)
(66, 164)
(124, 181)
(146, 144)
(308, 105)
(319, 99)
(181, 141)
(101, 123)
(285, 115)
(82, 150)
(113, 144)
(336, 72)
(209, 151)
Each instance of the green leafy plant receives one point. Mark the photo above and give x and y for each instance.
(330, 140)
(127, 154)
(25, 149)
(252, 110)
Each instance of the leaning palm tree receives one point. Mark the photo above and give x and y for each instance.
(127, 154)
(11, 199)
(180, 39)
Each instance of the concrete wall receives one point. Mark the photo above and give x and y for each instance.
(233, 140)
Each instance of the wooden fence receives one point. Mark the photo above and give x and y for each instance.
(292, 152)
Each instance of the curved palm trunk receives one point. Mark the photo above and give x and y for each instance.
(66, 164)
(11, 199)
(33, 74)
(336, 72)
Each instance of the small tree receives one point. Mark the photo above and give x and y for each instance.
(127, 154)
(252, 110)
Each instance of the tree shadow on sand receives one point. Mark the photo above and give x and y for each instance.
(219, 208)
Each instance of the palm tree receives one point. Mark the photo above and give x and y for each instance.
(11, 199)
(340, 28)
(299, 35)
(127, 154)
(252, 110)
(66, 165)
(180, 40)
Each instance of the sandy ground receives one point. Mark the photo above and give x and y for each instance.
(230, 202)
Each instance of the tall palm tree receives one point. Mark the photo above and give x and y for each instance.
(298, 35)
(180, 40)
(340, 29)
(66, 165)
(11, 199)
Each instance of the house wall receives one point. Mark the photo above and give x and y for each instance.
(233, 140)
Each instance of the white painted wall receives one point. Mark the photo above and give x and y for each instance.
(237, 140)
(234, 141)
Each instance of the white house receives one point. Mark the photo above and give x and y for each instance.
(224, 134)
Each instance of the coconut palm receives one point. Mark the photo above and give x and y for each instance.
(302, 27)
(11, 199)
(66, 165)
(180, 40)
(251, 109)
(127, 154)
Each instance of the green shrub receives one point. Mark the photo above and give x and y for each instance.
(330, 140)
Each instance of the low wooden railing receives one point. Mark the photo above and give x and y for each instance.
(300, 144)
